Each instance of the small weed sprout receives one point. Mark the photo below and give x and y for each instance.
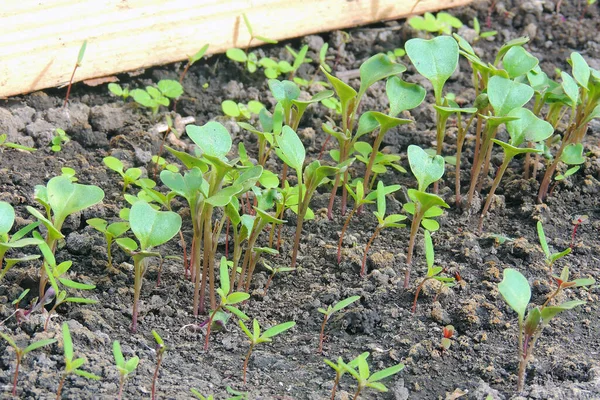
(256, 337)
(442, 23)
(327, 313)
(160, 352)
(191, 61)
(479, 34)
(77, 65)
(118, 90)
(577, 222)
(274, 271)
(432, 271)
(111, 232)
(341, 368)
(130, 176)
(20, 353)
(124, 367)
(550, 258)
(515, 290)
(11, 145)
(59, 138)
(447, 334)
(71, 365)
(240, 110)
(200, 396)
(365, 379)
(153, 97)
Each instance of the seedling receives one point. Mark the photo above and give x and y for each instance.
(381, 162)
(71, 365)
(20, 353)
(274, 271)
(161, 164)
(447, 334)
(481, 35)
(327, 313)
(4, 143)
(59, 138)
(118, 90)
(130, 176)
(151, 228)
(77, 65)
(227, 300)
(359, 200)
(390, 221)
(442, 23)
(191, 61)
(200, 396)
(341, 368)
(155, 96)
(18, 240)
(240, 110)
(551, 258)
(161, 348)
(424, 206)
(579, 220)
(111, 232)
(256, 337)
(515, 290)
(61, 197)
(432, 271)
(365, 379)
(124, 367)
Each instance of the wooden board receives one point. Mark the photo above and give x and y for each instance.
(40, 40)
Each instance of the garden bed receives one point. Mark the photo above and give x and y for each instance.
(482, 360)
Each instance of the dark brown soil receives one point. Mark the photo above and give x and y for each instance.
(482, 360)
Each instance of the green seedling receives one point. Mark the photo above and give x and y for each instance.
(162, 164)
(236, 395)
(249, 59)
(515, 290)
(359, 200)
(291, 151)
(436, 60)
(389, 221)
(527, 128)
(442, 23)
(118, 90)
(447, 334)
(11, 145)
(59, 138)
(125, 368)
(72, 366)
(77, 65)
(381, 162)
(274, 271)
(365, 379)
(371, 71)
(396, 54)
(424, 206)
(240, 110)
(227, 300)
(20, 353)
(18, 240)
(200, 396)
(341, 368)
(433, 272)
(256, 337)
(479, 34)
(191, 61)
(551, 258)
(155, 96)
(61, 197)
(161, 348)
(151, 228)
(327, 313)
(111, 232)
(130, 176)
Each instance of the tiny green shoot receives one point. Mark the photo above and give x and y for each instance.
(125, 368)
(59, 138)
(77, 65)
(161, 348)
(327, 313)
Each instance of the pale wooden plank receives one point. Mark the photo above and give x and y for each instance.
(40, 40)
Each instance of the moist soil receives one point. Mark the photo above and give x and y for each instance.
(482, 360)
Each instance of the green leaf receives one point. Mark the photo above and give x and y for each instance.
(376, 68)
(511, 43)
(284, 91)
(67, 342)
(7, 217)
(515, 290)
(403, 95)
(212, 138)
(377, 386)
(119, 359)
(153, 228)
(76, 285)
(518, 61)
(38, 344)
(170, 88)
(570, 87)
(532, 321)
(429, 253)
(542, 237)
(132, 364)
(187, 185)
(116, 229)
(52, 231)
(245, 329)
(237, 297)
(196, 57)
(344, 303)
(230, 108)
(435, 59)
(550, 312)
(224, 275)
(425, 168)
(86, 374)
(528, 127)
(291, 147)
(66, 197)
(238, 55)
(277, 329)
(581, 70)
(127, 244)
(506, 95)
(238, 313)
(430, 224)
(573, 154)
(98, 224)
(377, 376)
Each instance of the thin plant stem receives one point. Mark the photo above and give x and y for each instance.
(121, 384)
(358, 390)
(344, 228)
(414, 307)
(60, 386)
(335, 385)
(245, 367)
(137, 288)
(414, 228)
(16, 376)
(490, 195)
(155, 376)
(186, 266)
(367, 247)
(209, 325)
(322, 334)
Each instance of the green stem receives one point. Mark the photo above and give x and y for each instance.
(367, 247)
(414, 307)
(414, 228)
(137, 288)
(344, 228)
(322, 335)
(209, 325)
(495, 184)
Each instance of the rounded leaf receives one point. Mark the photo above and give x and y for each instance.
(152, 228)
(515, 290)
(426, 169)
(7, 217)
(506, 95)
(212, 138)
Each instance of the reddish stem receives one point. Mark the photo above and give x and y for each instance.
(246, 362)
(155, 376)
(322, 335)
(16, 377)
(363, 267)
(344, 228)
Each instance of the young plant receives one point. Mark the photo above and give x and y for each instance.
(11, 145)
(191, 61)
(200, 396)
(227, 300)
(124, 367)
(72, 366)
(130, 176)
(327, 313)
(551, 258)
(390, 221)
(515, 290)
(160, 352)
(447, 334)
(61, 197)
(341, 368)
(20, 353)
(111, 232)
(274, 271)
(442, 23)
(153, 97)
(240, 110)
(363, 152)
(59, 137)
(77, 65)
(424, 206)
(359, 200)
(577, 222)
(118, 90)
(151, 228)
(479, 34)
(249, 59)
(18, 240)
(365, 379)
(256, 337)
(432, 272)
